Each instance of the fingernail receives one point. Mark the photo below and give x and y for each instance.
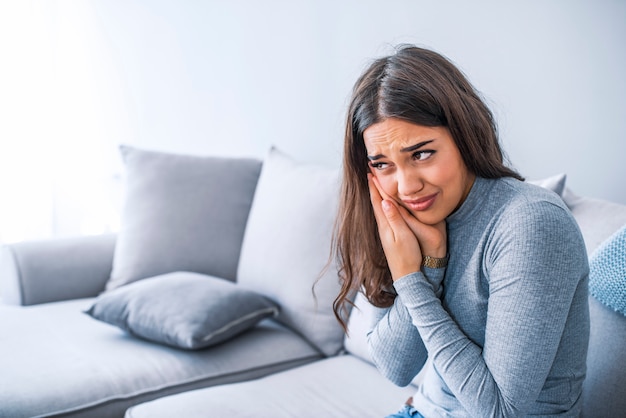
(386, 205)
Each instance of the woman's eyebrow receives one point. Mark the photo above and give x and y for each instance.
(407, 149)
(416, 146)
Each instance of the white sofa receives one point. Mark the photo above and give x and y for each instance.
(348, 385)
(195, 218)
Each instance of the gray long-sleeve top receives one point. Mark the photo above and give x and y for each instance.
(506, 324)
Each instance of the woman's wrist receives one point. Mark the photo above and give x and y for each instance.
(435, 250)
(434, 262)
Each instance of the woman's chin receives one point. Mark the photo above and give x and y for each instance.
(427, 218)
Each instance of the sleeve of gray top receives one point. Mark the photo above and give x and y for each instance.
(535, 266)
(394, 342)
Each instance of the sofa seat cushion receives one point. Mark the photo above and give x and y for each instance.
(308, 391)
(49, 351)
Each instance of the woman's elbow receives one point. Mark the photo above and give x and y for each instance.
(398, 379)
(397, 374)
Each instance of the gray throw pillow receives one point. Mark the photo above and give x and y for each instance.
(182, 309)
(287, 245)
(182, 213)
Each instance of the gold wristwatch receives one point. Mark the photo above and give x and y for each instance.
(434, 263)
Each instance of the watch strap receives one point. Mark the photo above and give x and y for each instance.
(434, 263)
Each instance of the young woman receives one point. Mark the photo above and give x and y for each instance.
(483, 274)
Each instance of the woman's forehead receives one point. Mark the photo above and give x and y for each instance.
(395, 134)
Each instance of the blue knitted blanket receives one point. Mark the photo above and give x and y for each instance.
(607, 272)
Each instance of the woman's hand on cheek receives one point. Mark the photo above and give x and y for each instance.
(399, 242)
(432, 239)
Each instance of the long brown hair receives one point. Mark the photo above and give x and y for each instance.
(422, 87)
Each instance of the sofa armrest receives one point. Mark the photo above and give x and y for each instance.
(35, 272)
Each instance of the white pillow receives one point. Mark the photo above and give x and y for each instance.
(287, 243)
(555, 183)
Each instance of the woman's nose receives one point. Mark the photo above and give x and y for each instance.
(409, 183)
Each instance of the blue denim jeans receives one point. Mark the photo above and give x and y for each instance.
(407, 411)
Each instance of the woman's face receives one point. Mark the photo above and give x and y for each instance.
(420, 167)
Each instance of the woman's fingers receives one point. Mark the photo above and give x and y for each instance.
(399, 243)
(376, 200)
(432, 238)
(395, 220)
(401, 247)
(381, 192)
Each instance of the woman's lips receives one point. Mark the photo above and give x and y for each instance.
(421, 203)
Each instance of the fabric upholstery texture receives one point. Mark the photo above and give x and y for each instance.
(68, 364)
(338, 387)
(53, 350)
(359, 324)
(598, 219)
(180, 215)
(606, 376)
(287, 245)
(35, 272)
(182, 309)
(603, 389)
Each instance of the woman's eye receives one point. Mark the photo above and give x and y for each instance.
(378, 166)
(422, 155)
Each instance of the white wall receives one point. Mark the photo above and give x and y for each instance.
(233, 77)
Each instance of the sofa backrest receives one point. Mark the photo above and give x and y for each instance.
(597, 218)
(604, 387)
